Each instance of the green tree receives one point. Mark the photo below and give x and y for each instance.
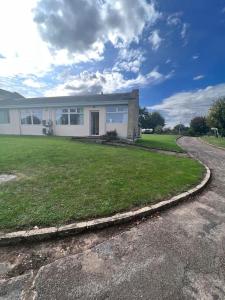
(198, 126)
(150, 119)
(143, 117)
(180, 129)
(216, 116)
(158, 129)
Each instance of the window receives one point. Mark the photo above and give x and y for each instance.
(31, 117)
(117, 114)
(4, 116)
(70, 116)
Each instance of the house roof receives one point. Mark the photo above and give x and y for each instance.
(65, 101)
(9, 95)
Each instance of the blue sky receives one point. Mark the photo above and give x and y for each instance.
(173, 51)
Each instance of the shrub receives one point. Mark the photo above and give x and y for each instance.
(111, 135)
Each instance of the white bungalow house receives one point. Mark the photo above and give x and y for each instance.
(78, 116)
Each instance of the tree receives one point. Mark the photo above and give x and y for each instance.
(167, 130)
(180, 129)
(150, 119)
(157, 119)
(158, 129)
(198, 126)
(143, 117)
(216, 116)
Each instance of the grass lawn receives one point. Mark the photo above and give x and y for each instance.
(160, 141)
(60, 180)
(215, 141)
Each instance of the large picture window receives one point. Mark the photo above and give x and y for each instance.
(70, 116)
(31, 117)
(4, 116)
(117, 114)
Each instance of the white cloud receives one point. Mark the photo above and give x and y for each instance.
(79, 34)
(183, 106)
(174, 19)
(199, 77)
(184, 30)
(155, 40)
(107, 82)
(129, 60)
(33, 83)
(86, 26)
(194, 57)
(21, 45)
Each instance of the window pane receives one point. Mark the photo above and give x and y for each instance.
(26, 117)
(123, 108)
(119, 108)
(111, 109)
(76, 110)
(80, 110)
(61, 119)
(116, 118)
(37, 117)
(4, 116)
(76, 119)
(65, 110)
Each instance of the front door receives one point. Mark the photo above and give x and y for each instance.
(95, 123)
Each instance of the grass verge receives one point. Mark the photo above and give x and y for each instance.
(220, 142)
(160, 141)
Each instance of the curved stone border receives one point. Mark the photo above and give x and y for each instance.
(214, 146)
(75, 228)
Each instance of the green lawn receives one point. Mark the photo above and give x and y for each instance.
(215, 141)
(159, 141)
(60, 180)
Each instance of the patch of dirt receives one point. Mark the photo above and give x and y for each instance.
(31, 256)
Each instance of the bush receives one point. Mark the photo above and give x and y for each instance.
(111, 135)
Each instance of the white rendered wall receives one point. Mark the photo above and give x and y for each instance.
(121, 128)
(14, 126)
(81, 130)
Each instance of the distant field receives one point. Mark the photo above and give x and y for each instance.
(215, 141)
(60, 180)
(160, 141)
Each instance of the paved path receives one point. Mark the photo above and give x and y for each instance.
(179, 254)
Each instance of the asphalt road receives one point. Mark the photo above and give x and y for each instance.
(179, 254)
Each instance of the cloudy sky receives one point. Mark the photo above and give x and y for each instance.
(173, 51)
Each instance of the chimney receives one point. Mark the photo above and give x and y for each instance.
(135, 93)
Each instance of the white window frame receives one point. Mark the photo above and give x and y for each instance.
(31, 113)
(70, 111)
(8, 116)
(117, 111)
